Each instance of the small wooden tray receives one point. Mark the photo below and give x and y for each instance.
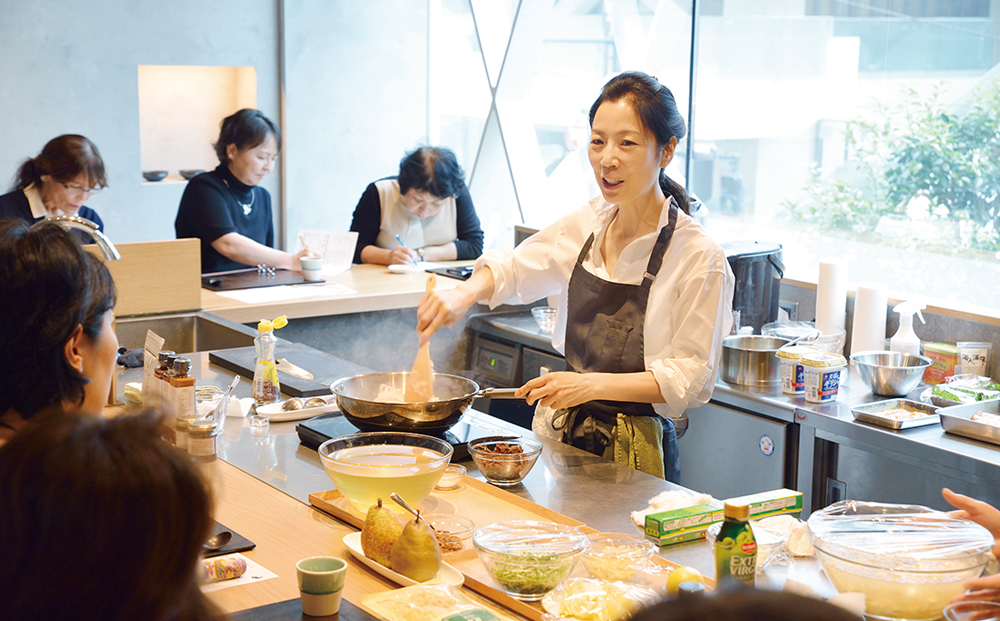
(483, 504)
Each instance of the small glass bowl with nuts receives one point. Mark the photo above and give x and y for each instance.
(454, 532)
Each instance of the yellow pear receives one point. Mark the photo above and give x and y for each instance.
(380, 531)
(416, 554)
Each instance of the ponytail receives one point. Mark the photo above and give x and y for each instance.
(674, 189)
(26, 175)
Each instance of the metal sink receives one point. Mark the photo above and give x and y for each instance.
(185, 333)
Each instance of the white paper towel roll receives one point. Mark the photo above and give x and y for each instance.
(868, 327)
(831, 293)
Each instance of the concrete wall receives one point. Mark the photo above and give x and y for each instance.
(73, 68)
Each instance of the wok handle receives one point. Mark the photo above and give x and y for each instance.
(499, 393)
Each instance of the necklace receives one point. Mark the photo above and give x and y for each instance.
(247, 207)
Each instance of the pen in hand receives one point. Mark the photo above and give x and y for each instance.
(400, 240)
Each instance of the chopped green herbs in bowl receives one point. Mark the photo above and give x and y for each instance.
(528, 559)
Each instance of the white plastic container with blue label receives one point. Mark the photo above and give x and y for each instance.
(822, 376)
(792, 372)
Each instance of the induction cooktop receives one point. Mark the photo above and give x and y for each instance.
(318, 430)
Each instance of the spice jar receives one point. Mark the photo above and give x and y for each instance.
(181, 431)
(202, 433)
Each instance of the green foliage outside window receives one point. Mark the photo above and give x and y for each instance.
(915, 158)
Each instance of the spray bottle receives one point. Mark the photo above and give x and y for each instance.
(266, 388)
(906, 340)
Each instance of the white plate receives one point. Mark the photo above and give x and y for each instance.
(275, 414)
(446, 574)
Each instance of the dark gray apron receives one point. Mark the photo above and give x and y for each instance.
(604, 334)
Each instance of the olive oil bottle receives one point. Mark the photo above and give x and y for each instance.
(735, 548)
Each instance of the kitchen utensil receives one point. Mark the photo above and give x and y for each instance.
(357, 398)
(421, 384)
(504, 461)
(402, 503)
(890, 373)
(220, 410)
(528, 559)
(218, 541)
(369, 466)
(545, 317)
(285, 366)
(290, 405)
(750, 360)
(315, 402)
(957, 419)
(908, 560)
(875, 413)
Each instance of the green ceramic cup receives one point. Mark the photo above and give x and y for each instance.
(321, 583)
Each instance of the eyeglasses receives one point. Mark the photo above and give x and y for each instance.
(78, 192)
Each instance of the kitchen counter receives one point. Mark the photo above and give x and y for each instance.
(374, 288)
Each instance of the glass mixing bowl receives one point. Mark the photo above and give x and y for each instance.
(528, 559)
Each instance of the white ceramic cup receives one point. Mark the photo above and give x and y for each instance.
(321, 583)
(311, 267)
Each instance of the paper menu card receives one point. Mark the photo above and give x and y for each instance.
(336, 248)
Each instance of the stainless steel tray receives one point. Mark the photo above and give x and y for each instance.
(871, 413)
(957, 420)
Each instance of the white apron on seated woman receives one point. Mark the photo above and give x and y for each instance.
(604, 334)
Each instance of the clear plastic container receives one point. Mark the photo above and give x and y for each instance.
(908, 560)
(822, 376)
(827, 338)
(792, 372)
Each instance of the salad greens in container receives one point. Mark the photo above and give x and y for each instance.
(527, 559)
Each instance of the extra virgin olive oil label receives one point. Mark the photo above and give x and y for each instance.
(735, 553)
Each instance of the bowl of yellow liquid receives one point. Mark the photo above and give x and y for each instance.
(372, 465)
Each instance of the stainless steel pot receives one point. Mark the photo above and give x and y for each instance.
(750, 360)
(356, 398)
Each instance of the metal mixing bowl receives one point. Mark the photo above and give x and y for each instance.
(890, 373)
(750, 360)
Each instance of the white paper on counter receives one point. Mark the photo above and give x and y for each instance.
(831, 293)
(285, 293)
(254, 573)
(336, 248)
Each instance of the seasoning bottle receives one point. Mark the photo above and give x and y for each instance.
(182, 430)
(735, 548)
(183, 387)
(266, 388)
(160, 370)
(202, 433)
(166, 390)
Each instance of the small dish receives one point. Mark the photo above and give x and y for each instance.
(188, 173)
(275, 414)
(454, 532)
(451, 478)
(545, 317)
(504, 461)
(154, 175)
(447, 573)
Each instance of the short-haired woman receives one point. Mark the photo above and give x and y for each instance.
(427, 206)
(56, 182)
(226, 209)
(100, 519)
(56, 310)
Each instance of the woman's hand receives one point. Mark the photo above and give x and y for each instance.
(557, 390)
(402, 255)
(986, 589)
(979, 512)
(445, 308)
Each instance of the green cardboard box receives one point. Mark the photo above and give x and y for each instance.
(774, 502)
(668, 527)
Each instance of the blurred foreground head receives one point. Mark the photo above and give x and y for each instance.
(746, 605)
(100, 519)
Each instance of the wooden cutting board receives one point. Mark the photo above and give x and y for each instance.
(483, 504)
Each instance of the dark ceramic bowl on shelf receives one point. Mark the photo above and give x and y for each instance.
(154, 175)
(187, 174)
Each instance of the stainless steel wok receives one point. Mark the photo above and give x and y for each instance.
(356, 398)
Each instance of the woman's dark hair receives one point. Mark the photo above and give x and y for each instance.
(431, 169)
(100, 519)
(657, 110)
(63, 158)
(246, 129)
(50, 286)
(746, 605)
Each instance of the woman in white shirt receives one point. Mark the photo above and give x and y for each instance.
(644, 294)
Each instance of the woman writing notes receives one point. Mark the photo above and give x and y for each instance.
(226, 209)
(57, 182)
(644, 294)
(424, 214)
